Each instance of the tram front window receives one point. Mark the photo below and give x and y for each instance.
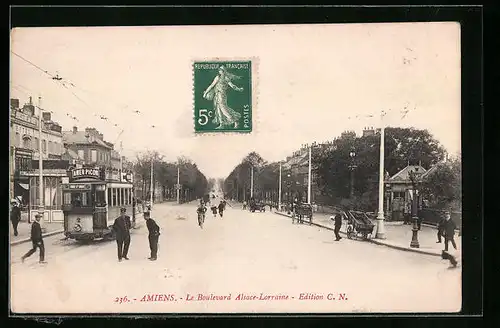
(78, 199)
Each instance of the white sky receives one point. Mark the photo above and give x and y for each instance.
(309, 80)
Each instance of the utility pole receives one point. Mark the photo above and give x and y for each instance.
(279, 190)
(121, 161)
(309, 182)
(380, 215)
(178, 184)
(152, 187)
(251, 183)
(41, 207)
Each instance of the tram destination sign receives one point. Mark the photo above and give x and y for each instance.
(86, 173)
(79, 187)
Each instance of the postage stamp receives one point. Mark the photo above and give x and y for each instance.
(222, 96)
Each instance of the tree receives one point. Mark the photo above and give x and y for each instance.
(443, 186)
(402, 146)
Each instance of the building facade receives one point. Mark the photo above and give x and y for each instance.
(89, 145)
(24, 145)
(399, 191)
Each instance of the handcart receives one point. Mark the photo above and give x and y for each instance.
(358, 225)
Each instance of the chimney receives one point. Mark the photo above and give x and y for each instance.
(14, 103)
(75, 129)
(46, 116)
(101, 136)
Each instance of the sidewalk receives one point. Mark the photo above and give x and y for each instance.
(397, 235)
(24, 230)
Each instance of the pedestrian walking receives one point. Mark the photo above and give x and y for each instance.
(337, 224)
(440, 232)
(36, 239)
(449, 231)
(214, 211)
(245, 205)
(221, 209)
(407, 213)
(154, 235)
(15, 215)
(121, 227)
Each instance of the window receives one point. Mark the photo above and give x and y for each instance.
(122, 196)
(114, 203)
(44, 146)
(81, 154)
(109, 197)
(26, 142)
(35, 144)
(17, 140)
(93, 155)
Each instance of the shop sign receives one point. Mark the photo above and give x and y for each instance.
(86, 173)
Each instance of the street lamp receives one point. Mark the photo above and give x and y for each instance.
(414, 208)
(352, 166)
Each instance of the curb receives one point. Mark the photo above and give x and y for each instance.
(377, 242)
(48, 234)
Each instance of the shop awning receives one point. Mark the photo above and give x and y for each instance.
(24, 185)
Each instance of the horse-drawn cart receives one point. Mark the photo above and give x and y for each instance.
(358, 224)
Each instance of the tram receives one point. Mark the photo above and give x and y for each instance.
(92, 201)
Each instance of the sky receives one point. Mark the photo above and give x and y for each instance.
(309, 83)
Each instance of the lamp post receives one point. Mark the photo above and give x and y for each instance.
(414, 209)
(352, 166)
(380, 215)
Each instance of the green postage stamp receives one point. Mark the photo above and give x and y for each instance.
(222, 96)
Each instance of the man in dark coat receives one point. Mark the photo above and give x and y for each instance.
(121, 228)
(337, 224)
(15, 216)
(221, 208)
(154, 235)
(36, 239)
(449, 231)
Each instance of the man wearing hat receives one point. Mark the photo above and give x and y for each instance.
(15, 215)
(121, 228)
(154, 234)
(337, 224)
(36, 239)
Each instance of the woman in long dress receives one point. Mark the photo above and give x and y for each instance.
(217, 91)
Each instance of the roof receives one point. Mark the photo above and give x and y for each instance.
(403, 175)
(430, 171)
(71, 153)
(81, 137)
(297, 160)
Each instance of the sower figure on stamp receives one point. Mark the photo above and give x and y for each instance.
(15, 215)
(36, 239)
(217, 91)
(121, 228)
(154, 235)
